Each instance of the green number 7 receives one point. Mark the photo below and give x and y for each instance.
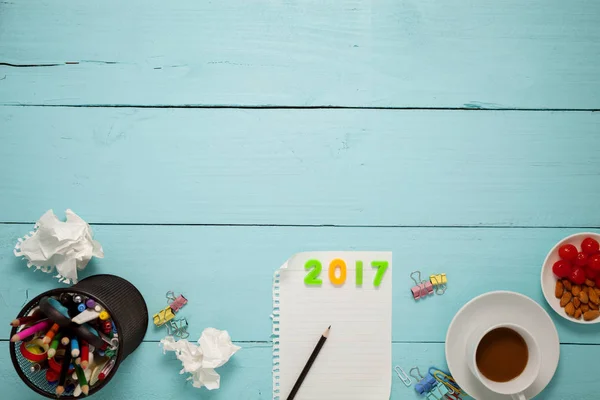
(381, 267)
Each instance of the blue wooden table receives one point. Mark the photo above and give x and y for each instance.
(207, 142)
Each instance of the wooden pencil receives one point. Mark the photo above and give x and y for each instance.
(309, 364)
(60, 389)
(34, 317)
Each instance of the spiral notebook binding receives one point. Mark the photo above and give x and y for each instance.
(275, 336)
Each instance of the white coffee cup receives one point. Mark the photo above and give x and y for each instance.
(518, 385)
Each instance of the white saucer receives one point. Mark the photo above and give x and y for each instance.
(494, 308)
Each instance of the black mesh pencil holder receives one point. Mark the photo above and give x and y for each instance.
(128, 317)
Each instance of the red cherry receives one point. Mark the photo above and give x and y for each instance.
(598, 281)
(581, 260)
(561, 268)
(577, 276)
(590, 246)
(591, 273)
(567, 252)
(594, 262)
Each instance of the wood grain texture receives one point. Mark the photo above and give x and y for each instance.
(148, 374)
(301, 167)
(220, 268)
(387, 53)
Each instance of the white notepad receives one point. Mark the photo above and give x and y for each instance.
(355, 362)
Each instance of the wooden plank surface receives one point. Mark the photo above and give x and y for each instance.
(148, 374)
(301, 167)
(219, 268)
(363, 53)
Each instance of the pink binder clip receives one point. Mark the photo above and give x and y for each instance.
(176, 302)
(421, 288)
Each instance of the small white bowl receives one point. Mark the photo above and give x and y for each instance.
(549, 279)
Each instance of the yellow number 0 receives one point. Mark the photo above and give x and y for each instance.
(337, 264)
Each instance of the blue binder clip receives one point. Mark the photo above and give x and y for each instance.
(424, 384)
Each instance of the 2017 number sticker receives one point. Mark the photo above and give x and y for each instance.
(338, 272)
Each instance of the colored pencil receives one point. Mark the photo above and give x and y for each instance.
(25, 333)
(54, 345)
(75, 347)
(85, 388)
(65, 340)
(60, 389)
(85, 354)
(34, 317)
(50, 334)
(309, 364)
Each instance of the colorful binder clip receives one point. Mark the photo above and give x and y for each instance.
(439, 279)
(175, 302)
(440, 282)
(163, 316)
(422, 288)
(438, 392)
(179, 328)
(424, 384)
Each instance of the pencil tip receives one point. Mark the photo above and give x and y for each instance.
(15, 338)
(329, 327)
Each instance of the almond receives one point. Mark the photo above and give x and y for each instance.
(593, 306)
(585, 289)
(594, 298)
(591, 315)
(565, 299)
(570, 309)
(567, 284)
(597, 290)
(583, 296)
(590, 283)
(559, 290)
(576, 290)
(578, 313)
(576, 302)
(585, 308)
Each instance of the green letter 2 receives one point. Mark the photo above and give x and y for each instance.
(312, 278)
(381, 267)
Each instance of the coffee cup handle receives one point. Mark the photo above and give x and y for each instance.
(519, 396)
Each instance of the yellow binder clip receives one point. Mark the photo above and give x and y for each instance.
(163, 316)
(439, 279)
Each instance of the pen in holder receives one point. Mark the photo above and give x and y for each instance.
(109, 303)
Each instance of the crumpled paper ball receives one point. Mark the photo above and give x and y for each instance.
(214, 350)
(67, 246)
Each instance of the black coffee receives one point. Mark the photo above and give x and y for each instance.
(502, 355)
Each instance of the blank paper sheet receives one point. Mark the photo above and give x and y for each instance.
(355, 362)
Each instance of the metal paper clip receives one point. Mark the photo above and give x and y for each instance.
(440, 288)
(175, 302)
(447, 380)
(419, 376)
(402, 375)
(179, 328)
